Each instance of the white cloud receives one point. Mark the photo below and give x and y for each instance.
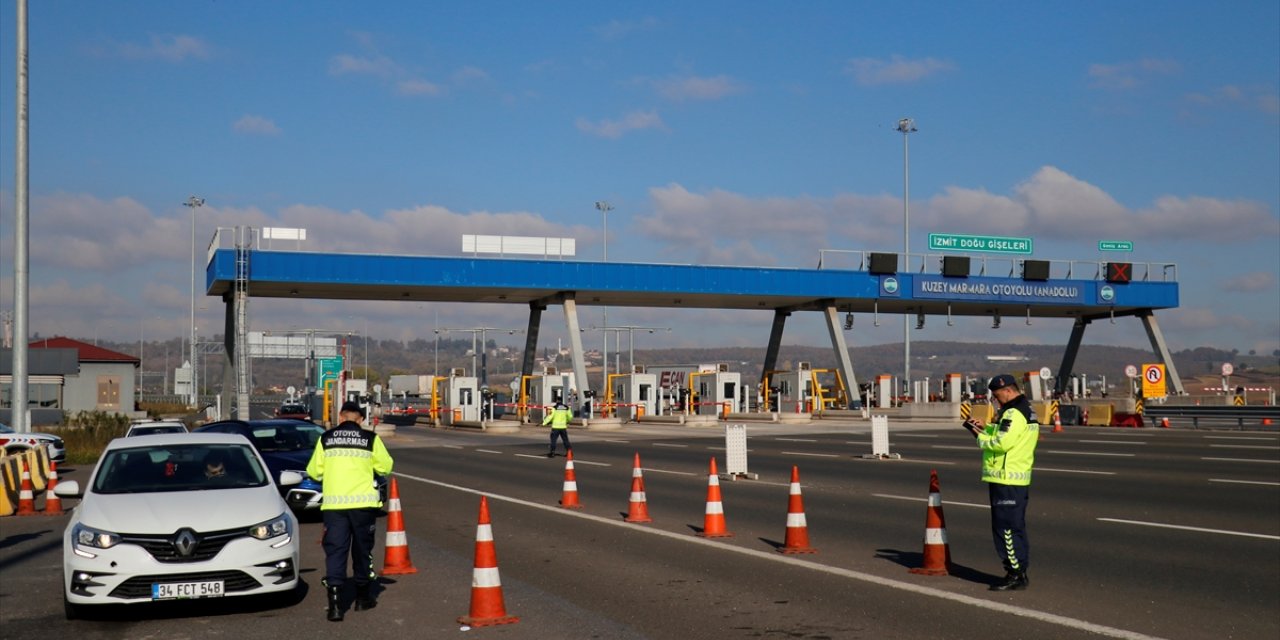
(169, 48)
(1251, 282)
(347, 64)
(256, 125)
(681, 88)
(613, 129)
(417, 87)
(1130, 74)
(1261, 99)
(895, 70)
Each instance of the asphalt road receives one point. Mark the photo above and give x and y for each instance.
(1135, 533)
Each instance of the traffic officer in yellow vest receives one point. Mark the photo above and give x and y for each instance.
(558, 418)
(344, 460)
(1008, 452)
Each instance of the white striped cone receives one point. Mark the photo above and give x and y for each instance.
(26, 498)
(396, 560)
(797, 540)
(937, 553)
(52, 503)
(713, 524)
(570, 498)
(487, 607)
(638, 506)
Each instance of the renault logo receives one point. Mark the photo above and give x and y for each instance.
(185, 542)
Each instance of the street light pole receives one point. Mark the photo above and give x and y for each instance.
(907, 126)
(604, 207)
(193, 203)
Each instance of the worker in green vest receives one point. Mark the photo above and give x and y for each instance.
(558, 418)
(1008, 446)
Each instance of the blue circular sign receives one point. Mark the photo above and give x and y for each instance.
(890, 285)
(1108, 294)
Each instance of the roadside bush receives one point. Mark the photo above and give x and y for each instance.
(159, 410)
(88, 432)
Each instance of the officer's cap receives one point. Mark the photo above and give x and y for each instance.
(351, 406)
(1001, 381)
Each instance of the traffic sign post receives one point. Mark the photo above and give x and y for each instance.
(1115, 245)
(988, 244)
(1153, 381)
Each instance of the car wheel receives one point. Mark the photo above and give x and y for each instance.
(71, 610)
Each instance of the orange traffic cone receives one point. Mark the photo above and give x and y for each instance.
(52, 503)
(26, 499)
(713, 523)
(1164, 423)
(937, 553)
(487, 607)
(570, 499)
(797, 529)
(1057, 422)
(396, 560)
(639, 507)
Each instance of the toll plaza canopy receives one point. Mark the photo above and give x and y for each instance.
(921, 284)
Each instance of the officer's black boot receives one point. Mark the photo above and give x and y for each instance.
(335, 604)
(1013, 581)
(364, 599)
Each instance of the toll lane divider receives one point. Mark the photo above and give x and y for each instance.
(999, 607)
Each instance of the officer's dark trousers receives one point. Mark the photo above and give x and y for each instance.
(349, 531)
(563, 434)
(1009, 525)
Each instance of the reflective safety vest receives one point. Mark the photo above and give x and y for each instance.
(558, 418)
(344, 461)
(1009, 444)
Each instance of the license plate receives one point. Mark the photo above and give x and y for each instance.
(178, 590)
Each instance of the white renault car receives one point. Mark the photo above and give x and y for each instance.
(180, 516)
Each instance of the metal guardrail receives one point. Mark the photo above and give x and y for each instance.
(1254, 416)
(997, 266)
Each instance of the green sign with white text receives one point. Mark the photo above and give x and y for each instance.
(329, 368)
(989, 244)
(1115, 245)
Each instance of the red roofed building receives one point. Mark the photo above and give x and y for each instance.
(66, 376)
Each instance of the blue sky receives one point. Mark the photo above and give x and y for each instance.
(753, 133)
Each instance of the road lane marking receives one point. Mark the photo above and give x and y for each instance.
(857, 442)
(665, 444)
(939, 462)
(953, 446)
(619, 441)
(1161, 525)
(773, 556)
(1097, 473)
(678, 473)
(944, 502)
(915, 435)
(489, 451)
(795, 439)
(815, 455)
(530, 455)
(594, 464)
(1237, 438)
(1245, 446)
(450, 446)
(1113, 441)
(1269, 484)
(1241, 460)
(1090, 453)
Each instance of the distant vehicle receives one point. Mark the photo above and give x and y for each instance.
(295, 410)
(286, 445)
(155, 427)
(155, 523)
(12, 442)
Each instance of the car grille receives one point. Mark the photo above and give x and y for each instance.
(161, 547)
(140, 586)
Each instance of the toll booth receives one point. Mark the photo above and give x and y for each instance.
(456, 398)
(633, 394)
(1034, 387)
(794, 391)
(716, 392)
(884, 392)
(546, 390)
(954, 386)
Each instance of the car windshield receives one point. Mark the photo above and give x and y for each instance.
(285, 436)
(148, 431)
(292, 408)
(187, 467)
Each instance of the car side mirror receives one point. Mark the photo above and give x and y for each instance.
(68, 489)
(288, 478)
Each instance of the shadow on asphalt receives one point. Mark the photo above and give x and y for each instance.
(914, 559)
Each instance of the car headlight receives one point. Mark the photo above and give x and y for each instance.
(89, 537)
(277, 526)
